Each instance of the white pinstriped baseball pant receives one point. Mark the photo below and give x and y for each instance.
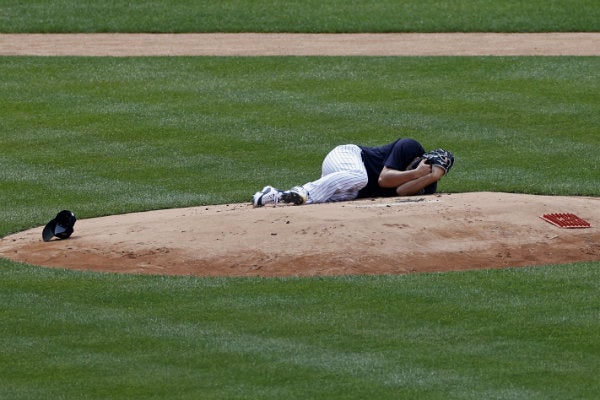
(343, 176)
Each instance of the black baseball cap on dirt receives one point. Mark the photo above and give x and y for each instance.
(61, 226)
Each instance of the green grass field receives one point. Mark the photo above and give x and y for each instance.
(113, 135)
(299, 16)
(106, 136)
(503, 334)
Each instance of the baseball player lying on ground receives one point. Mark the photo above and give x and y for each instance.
(400, 168)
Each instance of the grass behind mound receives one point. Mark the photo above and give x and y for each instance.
(299, 16)
(114, 135)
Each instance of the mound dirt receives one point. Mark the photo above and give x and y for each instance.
(372, 236)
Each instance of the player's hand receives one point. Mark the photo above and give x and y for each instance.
(423, 168)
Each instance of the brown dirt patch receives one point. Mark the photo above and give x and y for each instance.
(250, 44)
(394, 235)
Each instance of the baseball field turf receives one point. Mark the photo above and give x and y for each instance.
(300, 16)
(113, 135)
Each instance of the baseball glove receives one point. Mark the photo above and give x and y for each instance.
(441, 158)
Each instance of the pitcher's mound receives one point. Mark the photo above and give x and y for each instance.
(380, 236)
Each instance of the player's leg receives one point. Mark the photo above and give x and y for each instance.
(343, 176)
(337, 186)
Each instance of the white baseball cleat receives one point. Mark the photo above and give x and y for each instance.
(297, 195)
(268, 195)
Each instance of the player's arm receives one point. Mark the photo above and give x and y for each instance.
(389, 178)
(416, 185)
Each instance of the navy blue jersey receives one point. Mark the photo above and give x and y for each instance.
(396, 155)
